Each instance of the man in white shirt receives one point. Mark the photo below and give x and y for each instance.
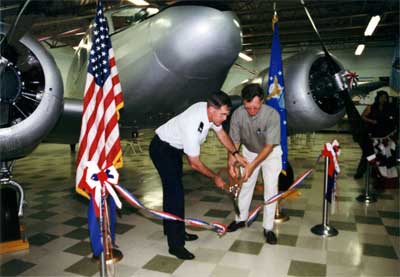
(184, 134)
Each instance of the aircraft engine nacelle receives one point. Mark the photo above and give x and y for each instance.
(312, 100)
(31, 96)
(311, 97)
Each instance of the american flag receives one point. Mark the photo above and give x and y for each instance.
(99, 139)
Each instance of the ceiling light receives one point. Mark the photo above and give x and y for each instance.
(245, 57)
(360, 49)
(372, 25)
(139, 2)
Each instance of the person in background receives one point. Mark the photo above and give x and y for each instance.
(256, 127)
(380, 120)
(184, 134)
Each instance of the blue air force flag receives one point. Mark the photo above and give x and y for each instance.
(276, 90)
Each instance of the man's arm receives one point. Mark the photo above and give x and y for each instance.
(233, 169)
(264, 153)
(228, 143)
(199, 166)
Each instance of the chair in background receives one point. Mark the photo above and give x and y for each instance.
(133, 144)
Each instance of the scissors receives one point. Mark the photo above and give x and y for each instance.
(234, 185)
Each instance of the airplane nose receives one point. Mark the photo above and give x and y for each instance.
(187, 35)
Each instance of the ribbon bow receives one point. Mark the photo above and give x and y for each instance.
(96, 178)
(352, 78)
(331, 151)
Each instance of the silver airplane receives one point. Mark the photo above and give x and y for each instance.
(166, 63)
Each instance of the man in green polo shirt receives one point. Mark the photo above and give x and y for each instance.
(256, 127)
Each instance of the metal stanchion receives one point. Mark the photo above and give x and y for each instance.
(324, 229)
(367, 197)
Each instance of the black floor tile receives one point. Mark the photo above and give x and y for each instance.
(211, 199)
(393, 231)
(217, 213)
(15, 267)
(246, 247)
(394, 215)
(41, 239)
(121, 228)
(288, 240)
(82, 248)
(345, 226)
(300, 268)
(76, 221)
(42, 215)
(85, 267)
(163, 264)
(368, 220)
(44, 206)
(293, 212)
(382, 251)
(79, 233)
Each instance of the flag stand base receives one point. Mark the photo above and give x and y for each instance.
(367, 198)
(111, 259)
(279, 216)
(324, 230)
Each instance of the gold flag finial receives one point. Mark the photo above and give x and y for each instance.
(275, 17)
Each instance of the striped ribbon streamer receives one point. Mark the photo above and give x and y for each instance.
(276, 197)
(281, 195)
(131, 199)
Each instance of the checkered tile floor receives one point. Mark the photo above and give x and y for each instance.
(367, 243)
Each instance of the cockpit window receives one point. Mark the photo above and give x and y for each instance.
(129, 16)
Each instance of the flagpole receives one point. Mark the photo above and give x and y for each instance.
(103, 272)
(277, 69)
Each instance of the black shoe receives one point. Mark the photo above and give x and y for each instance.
(190, 237)
(181, 253)
(236, 225)
(270, 237)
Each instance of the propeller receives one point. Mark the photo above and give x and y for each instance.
(20, 72)
(17, 29)
(358, 126)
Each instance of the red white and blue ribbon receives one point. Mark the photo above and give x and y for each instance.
(131, 199)
(96, 178)
(253, 214)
